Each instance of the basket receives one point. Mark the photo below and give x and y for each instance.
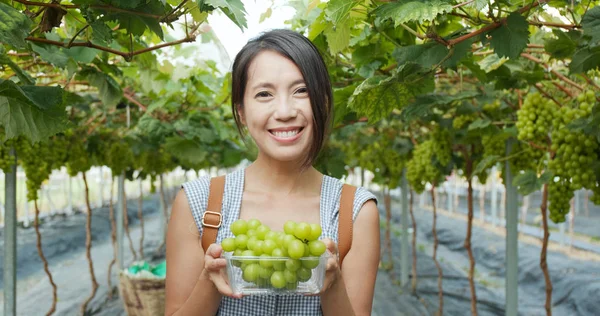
(142, 296)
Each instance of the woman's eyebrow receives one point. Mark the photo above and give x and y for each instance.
(272, 86)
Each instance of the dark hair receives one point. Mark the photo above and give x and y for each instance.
(301, 51)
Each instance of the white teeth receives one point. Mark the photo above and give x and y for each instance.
(286, 134)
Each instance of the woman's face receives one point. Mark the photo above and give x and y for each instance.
(277, 110)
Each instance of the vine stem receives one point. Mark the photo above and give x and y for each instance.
(36, 226)
(539, 87)
(556, 73)
(88, 246)
(75, 6)
(494, 25)
(126, 224)
(543, 262)
(469, 171)
(440, 311)
(125, 55)
(113, 235)
(563, 89)
(414, 244)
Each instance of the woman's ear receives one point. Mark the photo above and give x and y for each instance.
(240, 111)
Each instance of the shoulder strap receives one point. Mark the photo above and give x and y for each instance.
(212, 217)
(345, 220)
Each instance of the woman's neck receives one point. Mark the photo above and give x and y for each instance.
(282, 177)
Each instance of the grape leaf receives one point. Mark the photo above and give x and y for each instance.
(591, 23)
(561, 47)
(51, 53)
(337, 10)
(341, 97)
(377, 96)
(479, 123)
(186, 150)
(431, 53)
(338, 37)
(510, 39)
(526, 183)
(14, 26)
(234, 9)
(425, 103)
(34, 112)
(403, 11)
(101, 32)
(153, 129)
(23, 76)
(485, 163)
(491, 62)
(585, 59)
(109, 90)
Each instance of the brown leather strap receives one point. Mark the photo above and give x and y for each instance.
(345, 220)
(212, 218)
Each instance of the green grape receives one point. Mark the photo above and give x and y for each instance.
(241, 241)
(421, 167)
(252, 233)
(265, 272)
(253, 224)
(296, 249)
(271, 235)
(462, 121)
(287, 239)
(278, 280)
(291, 286)
(251, 272)
(315, 232)
(310, 263)
(258, 247)
(265, 261)
(289, 227)
(268, 246)
(304, 274)
(302, 230)
(559, 198)
(317, 247)
(293, 264)
(239, 227)
(262, 231)
(251, 243)
(228, 244)
(535, 118)
(290, 276)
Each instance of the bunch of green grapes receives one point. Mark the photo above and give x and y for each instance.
(119, 157)
(493, 145)
(535, 118)
(559, 195)
(527, 158)
(5, 159)
(421, 168)
(462, 121)
(491, 107)
(275, 259)
(574, 158)
(442, 148)
(35, 158)
(78, 159)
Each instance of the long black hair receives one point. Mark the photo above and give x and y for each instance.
(302, 52)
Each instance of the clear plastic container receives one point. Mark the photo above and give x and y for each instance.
(276, 275)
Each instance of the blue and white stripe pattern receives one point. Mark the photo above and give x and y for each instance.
(197, 192)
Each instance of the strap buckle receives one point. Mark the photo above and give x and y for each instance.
(204, 223)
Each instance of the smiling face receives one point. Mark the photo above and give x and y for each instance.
(277, 109)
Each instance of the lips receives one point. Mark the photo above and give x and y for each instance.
(287, 132)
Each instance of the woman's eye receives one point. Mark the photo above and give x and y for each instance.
(302, 90)
(263, 94)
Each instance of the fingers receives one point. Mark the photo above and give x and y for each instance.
(331, 246)
(214, 250)
(223, 287)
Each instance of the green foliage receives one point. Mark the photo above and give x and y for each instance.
(406, 10)
(32, 111)
(512, 37)
(14, 26)
(377, 96)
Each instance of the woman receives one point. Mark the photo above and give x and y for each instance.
(282, 96)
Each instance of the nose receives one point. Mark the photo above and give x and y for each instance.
(286, 109)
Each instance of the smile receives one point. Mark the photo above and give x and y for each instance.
(286, 134)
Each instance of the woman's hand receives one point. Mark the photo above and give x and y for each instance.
(332, 272)
(215, 270)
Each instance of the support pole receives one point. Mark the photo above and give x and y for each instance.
(10, 238)
(119, 220)
(512, 250)
(404, 256)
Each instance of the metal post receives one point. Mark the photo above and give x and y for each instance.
(512, 250)
(404, 241)
(26, 206)
(119, 220)
(10, 238)
(494, 199)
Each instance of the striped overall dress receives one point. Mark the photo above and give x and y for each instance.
(197, 192)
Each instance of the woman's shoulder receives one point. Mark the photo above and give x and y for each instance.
(333, 190)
